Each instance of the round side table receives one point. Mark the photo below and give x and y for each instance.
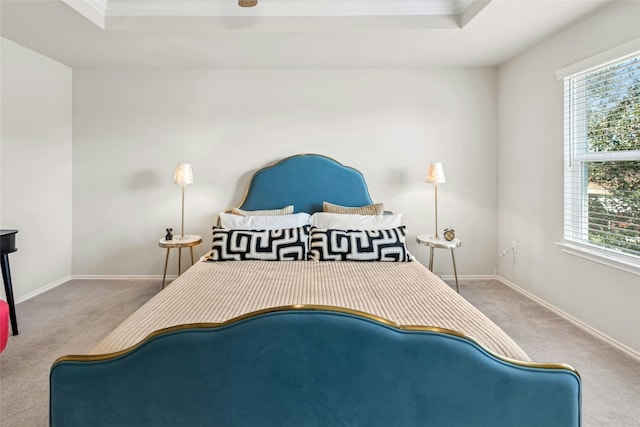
(439, 243)
(188, 241)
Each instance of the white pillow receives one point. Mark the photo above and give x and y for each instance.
(264, 222)
(334, 221)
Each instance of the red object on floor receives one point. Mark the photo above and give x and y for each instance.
(4, 324)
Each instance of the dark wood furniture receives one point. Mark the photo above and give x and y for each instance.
(8, 245)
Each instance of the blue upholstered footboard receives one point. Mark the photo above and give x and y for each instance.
(309, 367)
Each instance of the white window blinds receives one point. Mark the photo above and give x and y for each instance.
(602, 158)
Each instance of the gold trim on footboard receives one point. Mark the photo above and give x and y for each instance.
(311, 307)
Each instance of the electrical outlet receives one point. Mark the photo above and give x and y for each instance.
(514, 248)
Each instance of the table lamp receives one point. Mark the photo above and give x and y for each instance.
(183, 177)
(435, 175)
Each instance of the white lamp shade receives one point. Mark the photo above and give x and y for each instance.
(184, 174)
(435, 174)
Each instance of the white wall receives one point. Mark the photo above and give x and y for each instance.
(530, 177)
(35, 168)
(131, 128)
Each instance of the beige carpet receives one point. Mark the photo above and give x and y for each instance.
(69, 319)
(610, 377)
(72, 318)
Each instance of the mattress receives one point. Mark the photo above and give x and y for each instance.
(406, 293)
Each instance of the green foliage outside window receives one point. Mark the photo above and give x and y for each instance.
(613, 113)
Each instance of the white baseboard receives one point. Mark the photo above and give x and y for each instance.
(631, 352)
(501, 279)
(450, 278)
(42, 289)
(120, 277)
(88, 277)
(466, 277)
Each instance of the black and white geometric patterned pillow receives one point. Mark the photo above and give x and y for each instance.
(289, 244)
(359, 245)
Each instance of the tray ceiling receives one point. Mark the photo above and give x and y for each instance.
(286, 33)
(140, 14)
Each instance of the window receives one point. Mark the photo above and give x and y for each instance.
(602, 159)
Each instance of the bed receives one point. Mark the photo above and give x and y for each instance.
(310, 342)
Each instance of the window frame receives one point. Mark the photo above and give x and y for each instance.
(577, 157)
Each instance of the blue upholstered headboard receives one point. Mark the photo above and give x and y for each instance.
(305, 181)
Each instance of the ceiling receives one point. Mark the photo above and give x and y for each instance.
(285, 33)
(104, 11)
